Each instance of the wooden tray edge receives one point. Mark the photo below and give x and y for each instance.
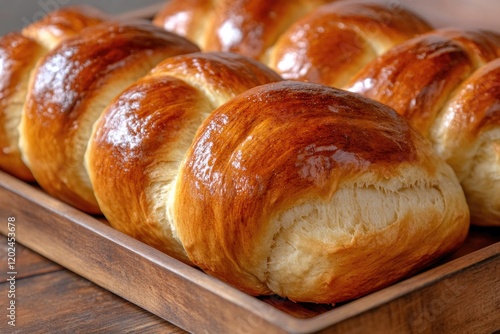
(47, 226)
(27, 203)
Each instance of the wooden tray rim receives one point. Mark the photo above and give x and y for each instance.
(252, 305)
(231, 295)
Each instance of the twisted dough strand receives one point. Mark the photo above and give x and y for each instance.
(19, 54)
(446, 83)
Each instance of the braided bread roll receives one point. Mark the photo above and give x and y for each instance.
(248, 27)
(431, 81)
(140, 140)
(14, 76)
(280, 174)
(71, 87)
(315, 194)
(66, 22)
(336, 40)
(317, 41)
(19, 53)
(467, 135)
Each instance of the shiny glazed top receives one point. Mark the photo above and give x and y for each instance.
(478, 102)
(64, 23)
(141, 138)
(270, 148)
(334, 41)
(152, 112)
(417, 77)
(333, 131)
(187, 18)
(67, 95)
(18, 55)
(77, 67)
(472, 111)
(248, 27)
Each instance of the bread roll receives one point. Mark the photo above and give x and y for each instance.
(315, 194)
(423, 79)
(71, 87)
(63, 23)
(320, 41)
(248, 27)
(18, 56)
(19, 53)
(336, 40)
(140, 139)
(466, 133)
(187, 18)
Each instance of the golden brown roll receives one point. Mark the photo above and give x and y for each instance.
(421, 80)
(71, 87)
(467, 134)
(18, 56)
(139, 141)
(19, 53)
(187, 18)
(315, 194)
(63, 23)
(248, 27)
(322, 41)
(336, 40)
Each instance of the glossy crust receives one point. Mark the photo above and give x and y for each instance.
(19, 53)
(248, 27)
(18, 56)
(187, 18)
(140, 140)
(336, 40)
(467, 134)
(71, 87)
(429, 80)
(417, 77)
(63, 23)
(314, 194)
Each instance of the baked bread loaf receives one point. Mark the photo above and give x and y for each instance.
(427, 80)
(336, 40)
(315, 194)
(466, 133)
(63, 23)
(298, 189)
(18, 56)
(19, 53)
(140, 140)
(71, 87)
(248, 27)
(317, 41)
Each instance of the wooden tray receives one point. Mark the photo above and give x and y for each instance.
(459, 294)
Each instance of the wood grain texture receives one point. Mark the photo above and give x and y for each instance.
(50, 298)
(29, 263)
(457, 294)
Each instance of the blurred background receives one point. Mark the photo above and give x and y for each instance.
(14, 15)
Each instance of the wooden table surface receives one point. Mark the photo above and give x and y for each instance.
(52, 299)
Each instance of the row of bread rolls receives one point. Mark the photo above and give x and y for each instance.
(141, 138)
(447, 84)
(298, 189)
(277, 191)
(19, 54)
(352, 45)
(70, 88)
(315, 194)
(324, 41)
